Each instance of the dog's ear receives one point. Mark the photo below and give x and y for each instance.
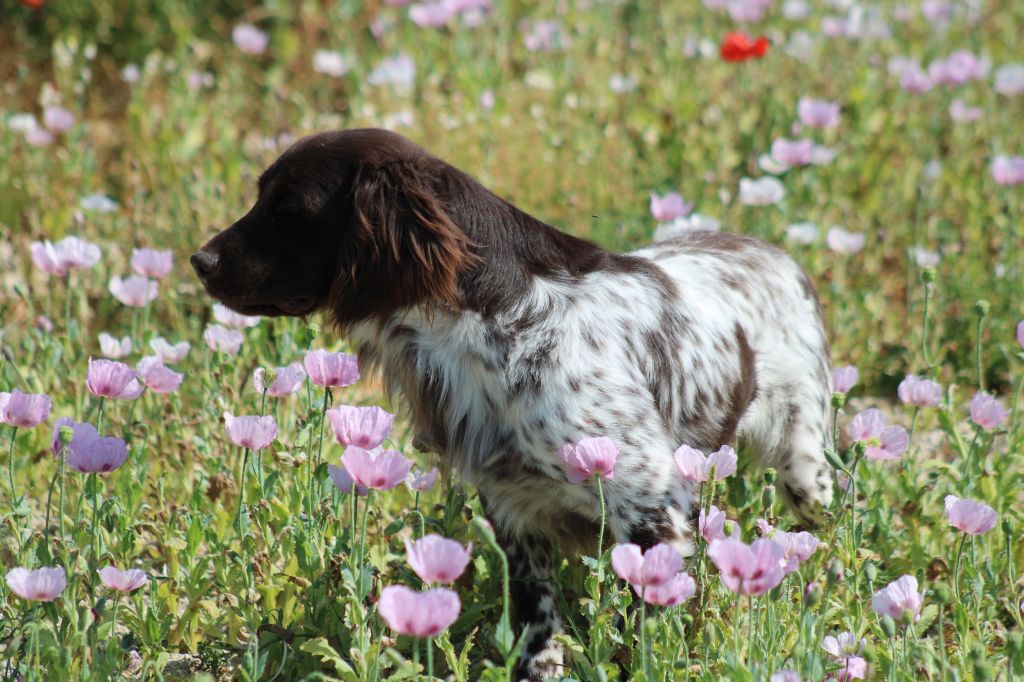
(404, 251)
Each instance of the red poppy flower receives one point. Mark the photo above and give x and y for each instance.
(737, 47)
(34, 4)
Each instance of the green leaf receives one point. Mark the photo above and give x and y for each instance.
(322, 649)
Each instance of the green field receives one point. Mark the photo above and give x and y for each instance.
(144, 124)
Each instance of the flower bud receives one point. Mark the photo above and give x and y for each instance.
(768, 497)
(888, 626)
(835, 573)
(813, 595)
(942, 594)
(928, 275)
(981, 306)
(66, 435)
(838, 400)
(871, 572)
(769, 476)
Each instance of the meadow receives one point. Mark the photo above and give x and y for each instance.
(173, 499)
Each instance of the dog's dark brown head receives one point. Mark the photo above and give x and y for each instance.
(352, 221)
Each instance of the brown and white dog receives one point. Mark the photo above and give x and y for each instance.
(507, 339)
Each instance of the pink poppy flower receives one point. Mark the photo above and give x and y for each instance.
(656, 566)
(113, 348)
(152, 262)
(797, 547)
(792, 152)
(77, 254)
(58, 119)
(431, 14)
(712, 524)
(854, 668)
(364, 427)
(42, 584)
(919, 391)
(899, 598)
(436, 559)
(134, 290)
(674, 592)
(331, 369)
(987, 412)
(1008, 170)
(958, 68)
(24, 410)
(973, 518)
(90, 453)
(376, 470)
(223, 340)
(112, 379)
(668, 207)
(546, 36)
(80, 432)
(254, 433)
(843, 645)
(1009, 79)
(44, 324)
(343, 481)
(421, 481)
(844, 378)
(961, 112)
(39, 137)
(419, 614)
(914, 80)
(841, 241)
(123, 581)
(785, 676)
(287, 380)
(157, 377)
(748, 569)
(70, 253)
(249, 39)
(883, 442)
(44, 257)
(229, 318)
(696, 467)
(1020, 334)
(747, 11)
(589, 457)
(170, 354)
(818, 113)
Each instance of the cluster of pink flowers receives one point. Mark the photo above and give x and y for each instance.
(1008, 170)
(440, 13)
(56, 120)
(656, 574)
(436, 560)
(47, 583)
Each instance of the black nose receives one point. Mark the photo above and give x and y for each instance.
(204, 262)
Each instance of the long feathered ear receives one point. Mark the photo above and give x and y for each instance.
(404, 251)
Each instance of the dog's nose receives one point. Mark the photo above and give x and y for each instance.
(204, 262)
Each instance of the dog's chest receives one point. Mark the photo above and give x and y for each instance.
(485, 399)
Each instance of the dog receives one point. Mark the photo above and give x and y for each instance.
(507, 339)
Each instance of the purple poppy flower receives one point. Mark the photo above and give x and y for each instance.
(24, 410)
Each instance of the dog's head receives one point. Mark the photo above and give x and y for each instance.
(353, 222)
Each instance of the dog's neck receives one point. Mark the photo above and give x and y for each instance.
(513, 247)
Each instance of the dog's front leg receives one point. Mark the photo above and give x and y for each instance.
(535, 610)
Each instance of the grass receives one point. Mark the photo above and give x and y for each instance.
(284, 600)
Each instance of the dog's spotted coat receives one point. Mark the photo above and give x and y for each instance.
(507, 339)
(695, 341)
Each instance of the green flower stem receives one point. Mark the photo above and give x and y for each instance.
(314, 463)
(10, 468)
(924, 331)
(644, 659)
(259, 455)
(241, 491)
(956, 567)
(600, 533)
(95, 510)
(430, 658)
(99, 416)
